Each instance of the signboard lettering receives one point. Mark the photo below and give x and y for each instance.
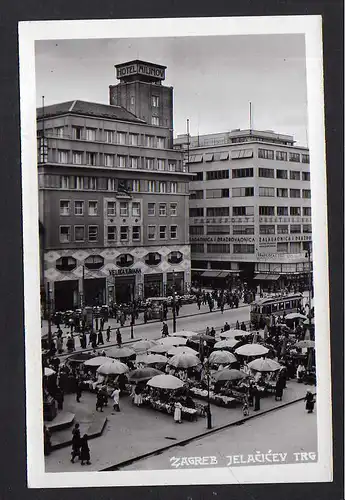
(141, 69)
(223, 239)
(121, 272)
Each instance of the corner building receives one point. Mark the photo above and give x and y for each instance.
(113, 199)
(250, 209)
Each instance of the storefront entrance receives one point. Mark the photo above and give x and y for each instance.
(94, 291)
(177, 280)
(153, 285)
(124, 289)
(66, 295)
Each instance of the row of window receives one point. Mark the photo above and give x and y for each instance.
(249, 229)
(249, 211)
(249, 191)
(113, 233)
(240, 173)
(226, 248)
(267, 154)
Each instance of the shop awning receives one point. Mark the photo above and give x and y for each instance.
(223, 274)
(267, 277)
(210, 274)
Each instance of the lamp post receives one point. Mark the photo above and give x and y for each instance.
(174, 304)
(209, 416)
(309, 282)
(49, 317)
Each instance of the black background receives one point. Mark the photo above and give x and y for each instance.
(12, 423)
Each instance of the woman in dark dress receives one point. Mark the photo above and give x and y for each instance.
(76, 442)
(309, 399)
(279, 389)
(85, 450)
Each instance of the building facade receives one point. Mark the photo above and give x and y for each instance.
(113, 205)
(250, 208)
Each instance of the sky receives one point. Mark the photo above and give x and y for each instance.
(214, 78)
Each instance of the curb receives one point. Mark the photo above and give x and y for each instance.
(105, 346)
(183, 442)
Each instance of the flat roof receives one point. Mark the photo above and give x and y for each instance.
(139, 61)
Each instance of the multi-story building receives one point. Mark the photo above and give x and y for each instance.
(113, 201)
(250, 207)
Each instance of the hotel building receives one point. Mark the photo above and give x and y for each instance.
(250, 208)
(113, 195)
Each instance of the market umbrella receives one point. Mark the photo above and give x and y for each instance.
(184, 334)
(305, 344)
(264, 365)
(251, 350)
(228, 375)
(151, 359)
(181, 350)
(165, 382)
(143, 345)
(120, 352)
(143, 374)
(80, 357)
(114, 368)
(170, 341)
(202, 337)
(226, 344)
(98, 361)
(159, 349)
(231, 334)
(222, 358)
(184, 361)
(48, 371)
(295, 316)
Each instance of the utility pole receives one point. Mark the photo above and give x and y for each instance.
(174, 304)
(209, 416)
(309, 282)
(49, 317)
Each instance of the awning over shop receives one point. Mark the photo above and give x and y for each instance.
(223, 274)
(210, 274)
(267, 277)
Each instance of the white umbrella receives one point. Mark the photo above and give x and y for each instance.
(305, 344)
(143, 345)
(251, 350)
(151, 359)
(114, 368)
(159, 348)
(222, 358)
(165, 382)
(120, 352)
(264, 365)
(170, 341)
(48, 371)
(184, 334)
(226, 344)
(295, 316)
(181, 350)
(98, 361)
(231, 334)
(184, 361)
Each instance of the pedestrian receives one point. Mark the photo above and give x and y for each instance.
(213, 332)
(59, 344)
(226, 326)
(145, 316)
(243, 326)
(310, 402)
(108, 333)
(245, 408)
(118, 337)
(138, 399)
(100, 337)
(165, 330)
(237, 325)
(256, 399)
(84, 450)
(47, 441)
(79, 390)
(198, 302)
(59, 397)
(300, 373)
(222, 306)
(116, 398)
(76, 442)
(178, 413)
(279, 389)
(100, 401)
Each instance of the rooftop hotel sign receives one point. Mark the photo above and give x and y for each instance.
(140, 69)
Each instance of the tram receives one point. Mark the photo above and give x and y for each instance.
(264, 308)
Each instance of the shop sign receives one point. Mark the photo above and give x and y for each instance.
(223, 239)
(281, 257)
(142, 69)
(122, 272)
(288, 237)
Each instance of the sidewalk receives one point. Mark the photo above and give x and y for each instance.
(135, 432)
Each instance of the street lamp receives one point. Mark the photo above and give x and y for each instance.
(174, 304)
(209, 416)
(308, 252)
(49, 317)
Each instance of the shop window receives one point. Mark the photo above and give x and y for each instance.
(175, 257)
(94, 262)
(66, 264)
(153, 259)
(124, 260)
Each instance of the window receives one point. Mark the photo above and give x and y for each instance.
(93, 233)
(121, 138)
(282, 229)
(66, 264)
(208, 156)
(295, 247)
(64, 207)
(217, 211)
(94, 262)
(150, 141)
(242, 230)
(243, 248)
(111, 233)
(266, 172)
(199, 194)
(151, 209)
(136, 209)
(173, 232)
(266, 210)
(151, 232)
(78, 207)
(196, 230)
(111, 208)
(196, 212)
(62, 156)
(155, 121)
(153, 259)
(199, 176)
(79, 182)
(77, 133)
(295, 228)
(162, 232)
(162, 209)
(238, 173)
(172, 166)
(65, 234)
(136, 186)
(295, 193)
(109, 136)
(121, 160)
(282, 247)
(241, 153)
(136, 233)
(58, 131)
(132, 100)
(295, 175)
(294, 157)
(77, 158)
(217, 229)
(162, 187)
(218, 248)
(90, 134)
(281, 155)
(90, 182)
(307, 211)
(305, 158)
(155, 101)
(282, 174)
(267, 154)
(149, 163)
(160, 164)
(133, 139)
(123, 209)
(217, 193)
(173, 187)
(306, 193)
(124, 232)
(242, 191)
(266, 229)
(266, 191)
(217, 174)
(197, 248)
(133, 161)
(93, 208)
(160, 141)
(237, 211)
(173, 209)
(283, 211)
(108, 160)
(79, 233)
(282, 193)
(111, 184)
(175, 257)
(295, 210)
(91, 158)
(307, 228)
(305, 176)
